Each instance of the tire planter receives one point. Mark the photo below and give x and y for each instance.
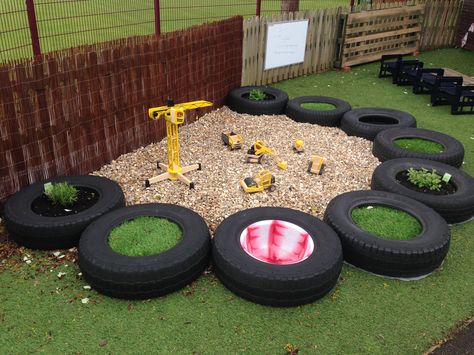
(454, 208)
(332, 118)
(412, 258)
(35, 231)
(140, 277)
(238, 101)
(384, 147)
(368, 122)
(277, 256)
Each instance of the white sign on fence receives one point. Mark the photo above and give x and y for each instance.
(286, 43)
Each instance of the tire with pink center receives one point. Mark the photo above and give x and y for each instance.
(277, 256)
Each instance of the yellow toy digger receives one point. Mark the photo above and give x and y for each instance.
(259, 149)
(263, 180)
(233, 140)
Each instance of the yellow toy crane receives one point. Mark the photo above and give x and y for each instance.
(260, 148)
(174, 116)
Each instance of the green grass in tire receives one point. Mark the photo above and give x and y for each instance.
(145, 236)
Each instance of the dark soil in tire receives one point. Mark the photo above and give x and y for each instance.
(140, 277)
(274, 103)
(331, 118)
(385, 149)
(368, 122)
(34, 231)
(86, 198)
(411, 258)
(455, 207)
(270, 283)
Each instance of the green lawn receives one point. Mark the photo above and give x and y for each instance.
(40, 312)
(70, 23)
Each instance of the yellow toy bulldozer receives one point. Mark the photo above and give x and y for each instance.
(233, 140)
(263, 180)
(259, 149)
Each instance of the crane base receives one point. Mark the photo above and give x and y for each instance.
(174, 176)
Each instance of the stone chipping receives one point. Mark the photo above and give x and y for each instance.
(217, 192)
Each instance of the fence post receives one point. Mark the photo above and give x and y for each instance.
(157, 18)
(35, 42)
(259, 8)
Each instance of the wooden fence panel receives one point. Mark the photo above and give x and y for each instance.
(78, 109)
(320, 49)
(440, 23)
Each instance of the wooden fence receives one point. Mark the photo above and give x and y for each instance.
(320, 46)
(466, 20)
(440, 24)
(370, 34)
(77, 110)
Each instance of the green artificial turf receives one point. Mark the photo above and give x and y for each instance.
(318, 106)
(386, 222)
(144, 236)
(363, 314)
(419, 145)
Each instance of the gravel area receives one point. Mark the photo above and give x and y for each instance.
(217, 192)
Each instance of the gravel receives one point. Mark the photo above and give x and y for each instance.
(217, 192)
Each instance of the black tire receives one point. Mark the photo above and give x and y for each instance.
(143, 277)
(384, 147)
(454, 208)
(37, 232)
(237, 101)
(270, 284)
(331, 118)
(368, 122)
(412, 258)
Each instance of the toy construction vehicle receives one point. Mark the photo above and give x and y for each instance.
(298, 146)
(316, 165)
(263, 180)
(259, 149)
(233, 140)
(174, 116)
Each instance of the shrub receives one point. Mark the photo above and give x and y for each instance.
(61, 193)
(425, 179)
(257, 95)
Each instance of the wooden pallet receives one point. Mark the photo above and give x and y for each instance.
(370, 34)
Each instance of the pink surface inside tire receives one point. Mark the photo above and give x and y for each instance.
(277, 256)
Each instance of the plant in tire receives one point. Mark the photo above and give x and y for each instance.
(455, 199)
(257, 100)
(61, 193)
(161, 271)
(276, 256)
(36, 222)
(257, 95)
(425, 178)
